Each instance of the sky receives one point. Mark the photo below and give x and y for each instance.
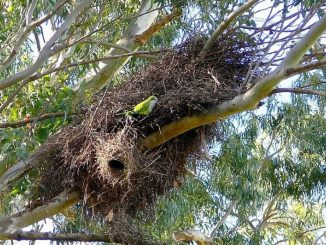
(47, 225)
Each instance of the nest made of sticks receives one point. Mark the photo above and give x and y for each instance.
(100, 155)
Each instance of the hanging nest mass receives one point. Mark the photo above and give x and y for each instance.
(100, 155)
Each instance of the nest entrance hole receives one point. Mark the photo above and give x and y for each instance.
(124, 177)
(116, 167)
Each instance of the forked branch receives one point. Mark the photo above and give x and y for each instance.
(46, 51)
(225, 24)
(247, 101)
(23, 35)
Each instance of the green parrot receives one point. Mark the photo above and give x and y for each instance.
(145, 107)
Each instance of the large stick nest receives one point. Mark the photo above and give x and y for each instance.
(100, 155)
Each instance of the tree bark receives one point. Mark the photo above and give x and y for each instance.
(46, 51)
(146, 16)
(244, 102)
(135, 36)
(14, 223)
(73, 237)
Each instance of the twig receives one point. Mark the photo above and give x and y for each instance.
(31, 120)
(298, 91)
(312, 84)
(23, 35)
(306, 67)
(218, 225)
(105, 58)
(243, 102)
(32, 236)
(225, 24)
(46, 51)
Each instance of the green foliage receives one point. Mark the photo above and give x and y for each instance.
(270, 164)
(276, 156)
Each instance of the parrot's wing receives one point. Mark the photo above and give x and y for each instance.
(142, 107)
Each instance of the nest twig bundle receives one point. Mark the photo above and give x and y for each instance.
(100, 155)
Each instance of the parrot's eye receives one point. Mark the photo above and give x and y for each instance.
(116, 166)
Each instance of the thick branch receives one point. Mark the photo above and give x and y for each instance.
(73, 237)
(6, 161)
(247, 101)
(20, 220)
(191, 235)
(14, 173)
(143, 38)
(298, 91)
(135, 36)
(31, 120)
(225, 24)
(108, 69)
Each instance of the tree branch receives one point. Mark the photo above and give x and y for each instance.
(291, 71)
(218, 225)
(46, 51)
(29, 15)
(31, 120)
(147, 34)
(198, 236)
(20, 39)
(34, 77)
(114, 45)
(191, 235)
(145, 17)
(298, 91)
(246, 101)
(14, 173)
(6, 161)
(105, 58)
(20, 220)
(225, 24)
(134, 37)
(32, 236)
(13, 94)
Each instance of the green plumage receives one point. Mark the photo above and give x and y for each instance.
(145, 107)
